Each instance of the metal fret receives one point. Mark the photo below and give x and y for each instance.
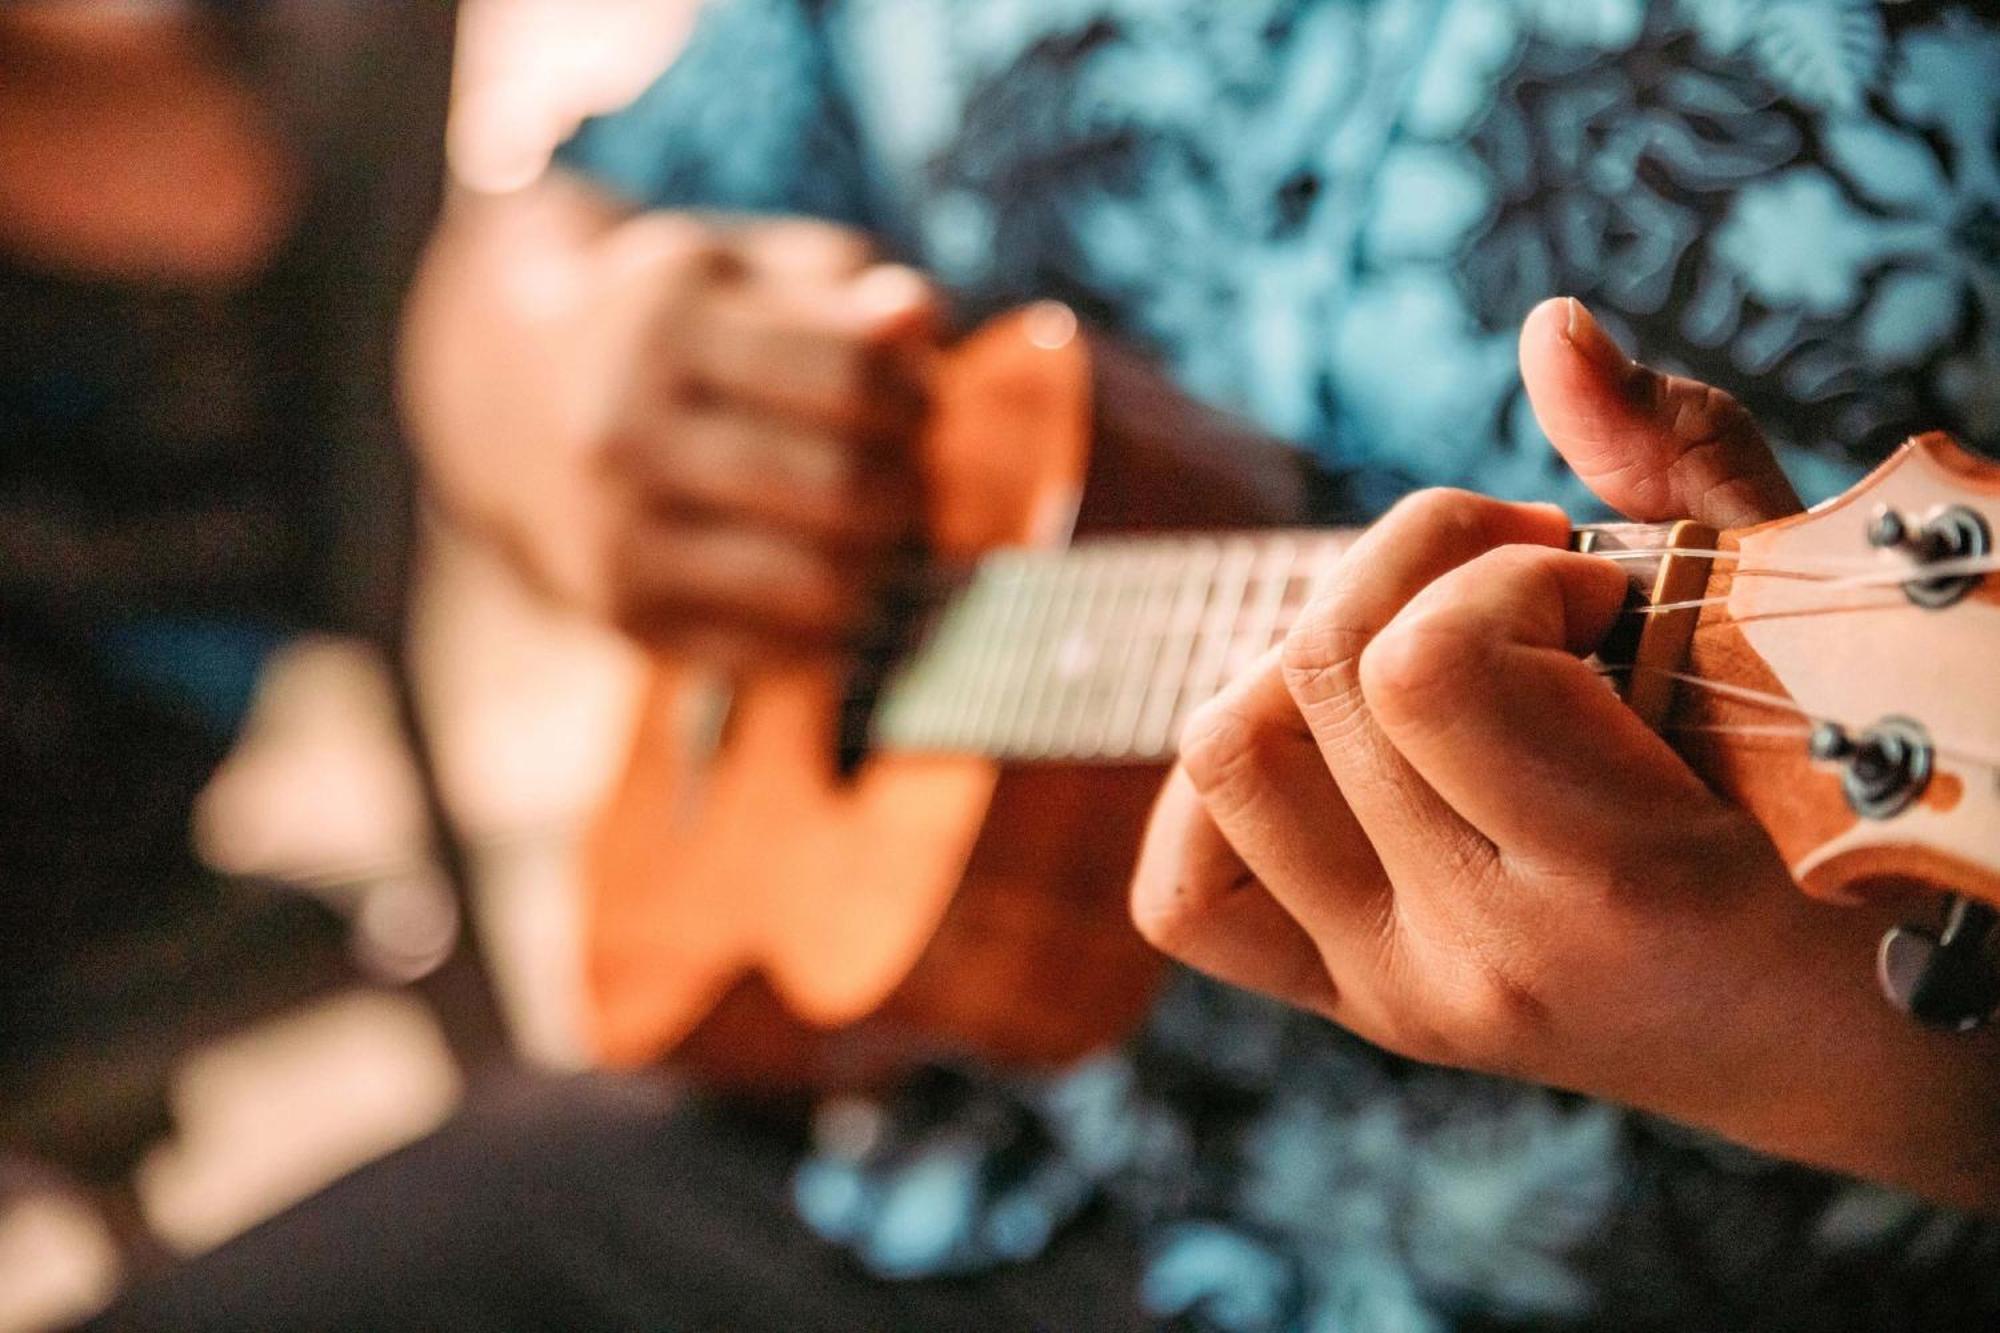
(1038, 579)
(1011, 581)
(937, 670)
(1274, 571)
(1155, 734)
(1118, 629)
(1149, 584)
(1218, 630)
(909, 710)
(1028, 733)
(1084, 638)
(973, 663)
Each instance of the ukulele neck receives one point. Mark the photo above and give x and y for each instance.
(1099, 653)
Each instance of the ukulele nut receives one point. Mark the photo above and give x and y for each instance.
(1955, 533)
(1887, 766)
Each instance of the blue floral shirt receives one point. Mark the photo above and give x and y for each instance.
(1330, 216)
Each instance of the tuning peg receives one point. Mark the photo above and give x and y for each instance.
(1945, 979)
(1887, 767)
(1950, 534)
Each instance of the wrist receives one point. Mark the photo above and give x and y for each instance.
(1841, 1080)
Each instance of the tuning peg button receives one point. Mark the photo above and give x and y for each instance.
(1946, 978)
(1888, 530)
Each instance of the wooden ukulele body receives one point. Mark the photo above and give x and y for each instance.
(773, 925)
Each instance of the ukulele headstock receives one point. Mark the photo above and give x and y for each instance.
(1841, 679)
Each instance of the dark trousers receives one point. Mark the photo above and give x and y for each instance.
(118, 951)
(600, 1203)
(96, 788)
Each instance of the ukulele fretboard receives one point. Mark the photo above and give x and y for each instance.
(1100, 652)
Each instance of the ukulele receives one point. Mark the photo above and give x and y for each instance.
(810, 879)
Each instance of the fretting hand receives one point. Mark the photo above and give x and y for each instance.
(1428, 820)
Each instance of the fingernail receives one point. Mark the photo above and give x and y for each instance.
(1582, 331)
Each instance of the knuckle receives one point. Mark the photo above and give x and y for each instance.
(1431, 509)
(1477, 1019)
(1446, 517)
(1537, 580)
(1415, 1030)
(1320, 649)
(1411, 664)
(667, 252)
(1307, 982)
(1698, 412)
(811, 462)
(1164, 915)
(1464, 990)
(1723, 464)
(1519, 562)
(1222, 742)
(1494, 1019)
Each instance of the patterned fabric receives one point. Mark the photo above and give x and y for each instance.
(1331, 215)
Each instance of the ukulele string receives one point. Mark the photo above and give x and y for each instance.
(1249, 635)
(1968, 756)
(1959, 567)
(1811, 568)
(1836, 573)
(1744, 729)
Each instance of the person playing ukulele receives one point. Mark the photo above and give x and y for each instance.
(679, 380)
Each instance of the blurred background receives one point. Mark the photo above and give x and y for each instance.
(530, 709)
